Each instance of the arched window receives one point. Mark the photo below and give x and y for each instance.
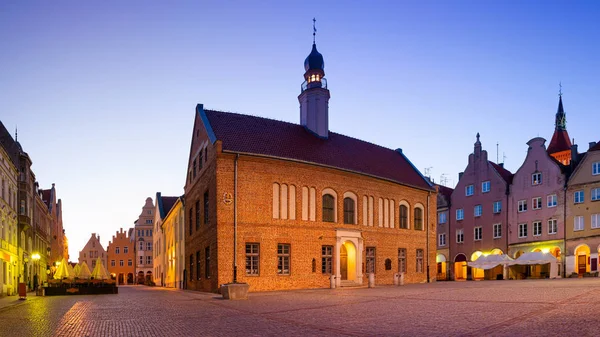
(418, 219)
(349, 209)
(328, 208)
(403, 216)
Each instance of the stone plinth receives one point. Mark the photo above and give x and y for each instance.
(235, 291)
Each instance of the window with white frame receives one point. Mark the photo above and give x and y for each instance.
(551, 200)
(552, 226)
(537, 202)
(578, 197)
(595, 192)
(477, 233)
(578, 224)
(485, 186)
(460, 235)
(497, 231)
(523, 230)
(536, 178)
(141, 245)
(117, 250)
(442, 217)
(442, 240)
(469, 189)
(537, 228)
(460, 214)
(121, 263)
(595, 220)
(497, 207)
(112, 263)
(141, 260)
(148, 259)
(596, 168)
(522, 206)
(477, 210)
(125, 250)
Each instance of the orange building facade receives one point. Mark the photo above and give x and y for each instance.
(121, 258)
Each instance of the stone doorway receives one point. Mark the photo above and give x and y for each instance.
(348, 261)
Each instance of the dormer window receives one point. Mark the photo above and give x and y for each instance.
(536, 178)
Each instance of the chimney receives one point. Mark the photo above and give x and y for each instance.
(501, 165)
(460, 174)
(592, 144)
(574, 153)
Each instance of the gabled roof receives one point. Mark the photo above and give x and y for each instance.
(595, 147)
(445, 191)
(560, 142)
(10, 145)
(268, 137)
(504, 173)
(46, 198)
(165, 204)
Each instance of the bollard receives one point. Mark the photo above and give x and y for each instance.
(371, 280)
(401, 279)
(332, 281)
(396, 279)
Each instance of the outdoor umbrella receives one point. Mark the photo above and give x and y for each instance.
(84, 271)
(77, 270)
(99, 272)
(62, 271)
(71, 271)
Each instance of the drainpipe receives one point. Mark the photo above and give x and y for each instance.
(235, 170)
(427, 237)
(564, 253)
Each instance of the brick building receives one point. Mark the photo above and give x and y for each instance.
(301, 202)
(121, 257)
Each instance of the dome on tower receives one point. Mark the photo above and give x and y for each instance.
(314, 60)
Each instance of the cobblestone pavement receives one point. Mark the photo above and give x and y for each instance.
(568, 307)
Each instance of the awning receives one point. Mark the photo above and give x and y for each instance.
(490, 261)
(534, 258)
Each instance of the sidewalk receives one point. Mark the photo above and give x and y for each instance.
(9, 301)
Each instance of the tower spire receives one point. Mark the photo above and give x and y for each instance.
(16, 133)
(314, 30)
(560, 122)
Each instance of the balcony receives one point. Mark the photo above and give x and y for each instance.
(24, 222)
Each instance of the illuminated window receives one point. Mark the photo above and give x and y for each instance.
(536, 178)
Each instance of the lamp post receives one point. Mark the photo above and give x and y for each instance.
(36, 278)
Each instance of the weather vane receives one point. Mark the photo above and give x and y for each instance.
(314, 29)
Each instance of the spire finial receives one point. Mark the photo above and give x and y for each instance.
(314, 29)
(477, 136)
(560, 89)
(16, 133)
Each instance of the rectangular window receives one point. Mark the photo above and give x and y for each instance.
(442, 240)
(141, 245)
(198, 275)
(200, 162)
(206, 208)
(477, 210)
(117, 250)
(477, 233)
(403, 216)
(551, 200)
(442, 217)
(190, 221)
(485, 186)
(497, 207)
(419, 260)
(469, 189)
(522, 206)
(194, 170)
(327, 259)
(191, 267)
(93, 263)
(578, 197)
(536, 178)
(595, 194)
(148, 259)
(141, 262)
(523, 230)
(370, 252)
(112, 263)
(537, 202)
(552, 226)
(197, 214)
(460, 214)
(537, 228)
(595, 220)
(129, 262)
(148, 245)
(460, 236)
(497, 231)
(402, 260)
(252, 259)
(125, 250)
(207, 262)
(596, 168)
(283, 259)
(121, 263)
(578, 223)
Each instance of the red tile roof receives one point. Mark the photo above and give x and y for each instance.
(504, 173)
(258, 135)
(560, 142)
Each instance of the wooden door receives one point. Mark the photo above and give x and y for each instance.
(581, 263)
(343, 263)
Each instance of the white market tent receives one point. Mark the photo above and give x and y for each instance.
(533, 258)
(490, 261)
(100, 272)
(84, 271)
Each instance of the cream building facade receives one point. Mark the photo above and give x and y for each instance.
(9, 259)
(142, 234)
(92, 251)
(167, 252)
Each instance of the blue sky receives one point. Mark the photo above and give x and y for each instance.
(103, 93)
